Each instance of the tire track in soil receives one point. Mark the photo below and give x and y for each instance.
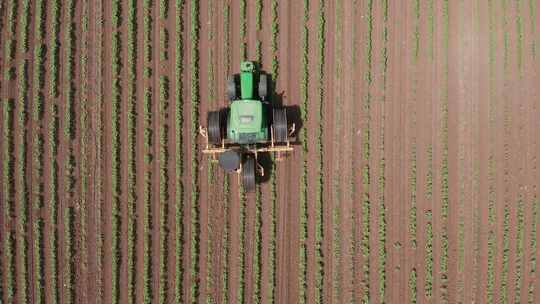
(206, 190)
(346, 69)
(287, 175)
(312, 156)
(92, 201)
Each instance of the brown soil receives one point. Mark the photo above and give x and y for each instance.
(479, 79)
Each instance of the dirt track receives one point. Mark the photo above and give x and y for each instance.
(418, 180)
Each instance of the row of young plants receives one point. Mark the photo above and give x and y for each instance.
(179, 160)
(70, 163)
(148, 156)
(23, 197)
(8, 189)
(8, 158)
(240, 296)
(116, 50)
(163, 187)
(443, 269)
(195, 98)
(319, 261)
(304, 82)
(491, 242)
(533, 248)
(366, 149)
(132, 180)
(520, 244)
(382, 165)
(39, 150)
(428, 261)
(54, 136)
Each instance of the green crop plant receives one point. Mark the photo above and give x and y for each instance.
(319, 274)
(39, 260)
(21, 185)
(147, 33)
(164, 43)
(243, 19)
(116, 45)
(382, 164)
(416, 34)
(274, 38)
(520, 234)
(24, 27)
(490, 267)
(56, 13)
(195, 225)
(336, 255)
(257, 262)
(163, 9)
(431, 26)
(240, 297)
(225, 244)
(11, 45)
(519, 30)
(54, 198)
(258, 14)
(413, 289)
(163, 185)
(366, 204)
(148, 253)
(8, 191)
(131, 138)
(533, 248)
(303, 138)
(179, 162)
(503, 297)
(428, 259)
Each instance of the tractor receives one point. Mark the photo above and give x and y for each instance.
(250, 125)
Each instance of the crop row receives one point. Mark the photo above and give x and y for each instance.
(319, 261)
(243, 26)
(132, 180)
(257, 261)
(428, 260)
(163, 185)
(366, 204)
(116, 49)
(520, 235)
(195, 212)
(533, 247)
(8, 190)
(11, 45)
(240, 296)
(179, 160)
(303, 138)
(443, 268)
(55, 50)
(148, 156)
(505, 255)
(39, 150)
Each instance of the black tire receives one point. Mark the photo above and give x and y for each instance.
(248, 174)
(231, 88)
(263, 86)
(280, 125)
(214, 128)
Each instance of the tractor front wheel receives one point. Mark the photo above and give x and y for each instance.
(280, 125)
(214, 127)
(248, 173)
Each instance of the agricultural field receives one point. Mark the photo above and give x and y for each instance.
(414, 177)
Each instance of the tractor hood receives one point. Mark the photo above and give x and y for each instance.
(246, 122)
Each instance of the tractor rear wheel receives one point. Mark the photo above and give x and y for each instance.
(231, 88)
(263, 86)
(214, 127)
(248, 173)
(280, 125)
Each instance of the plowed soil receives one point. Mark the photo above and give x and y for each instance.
(414, 176)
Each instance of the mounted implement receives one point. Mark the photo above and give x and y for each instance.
(250, 125)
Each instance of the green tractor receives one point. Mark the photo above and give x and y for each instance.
(250, 125)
